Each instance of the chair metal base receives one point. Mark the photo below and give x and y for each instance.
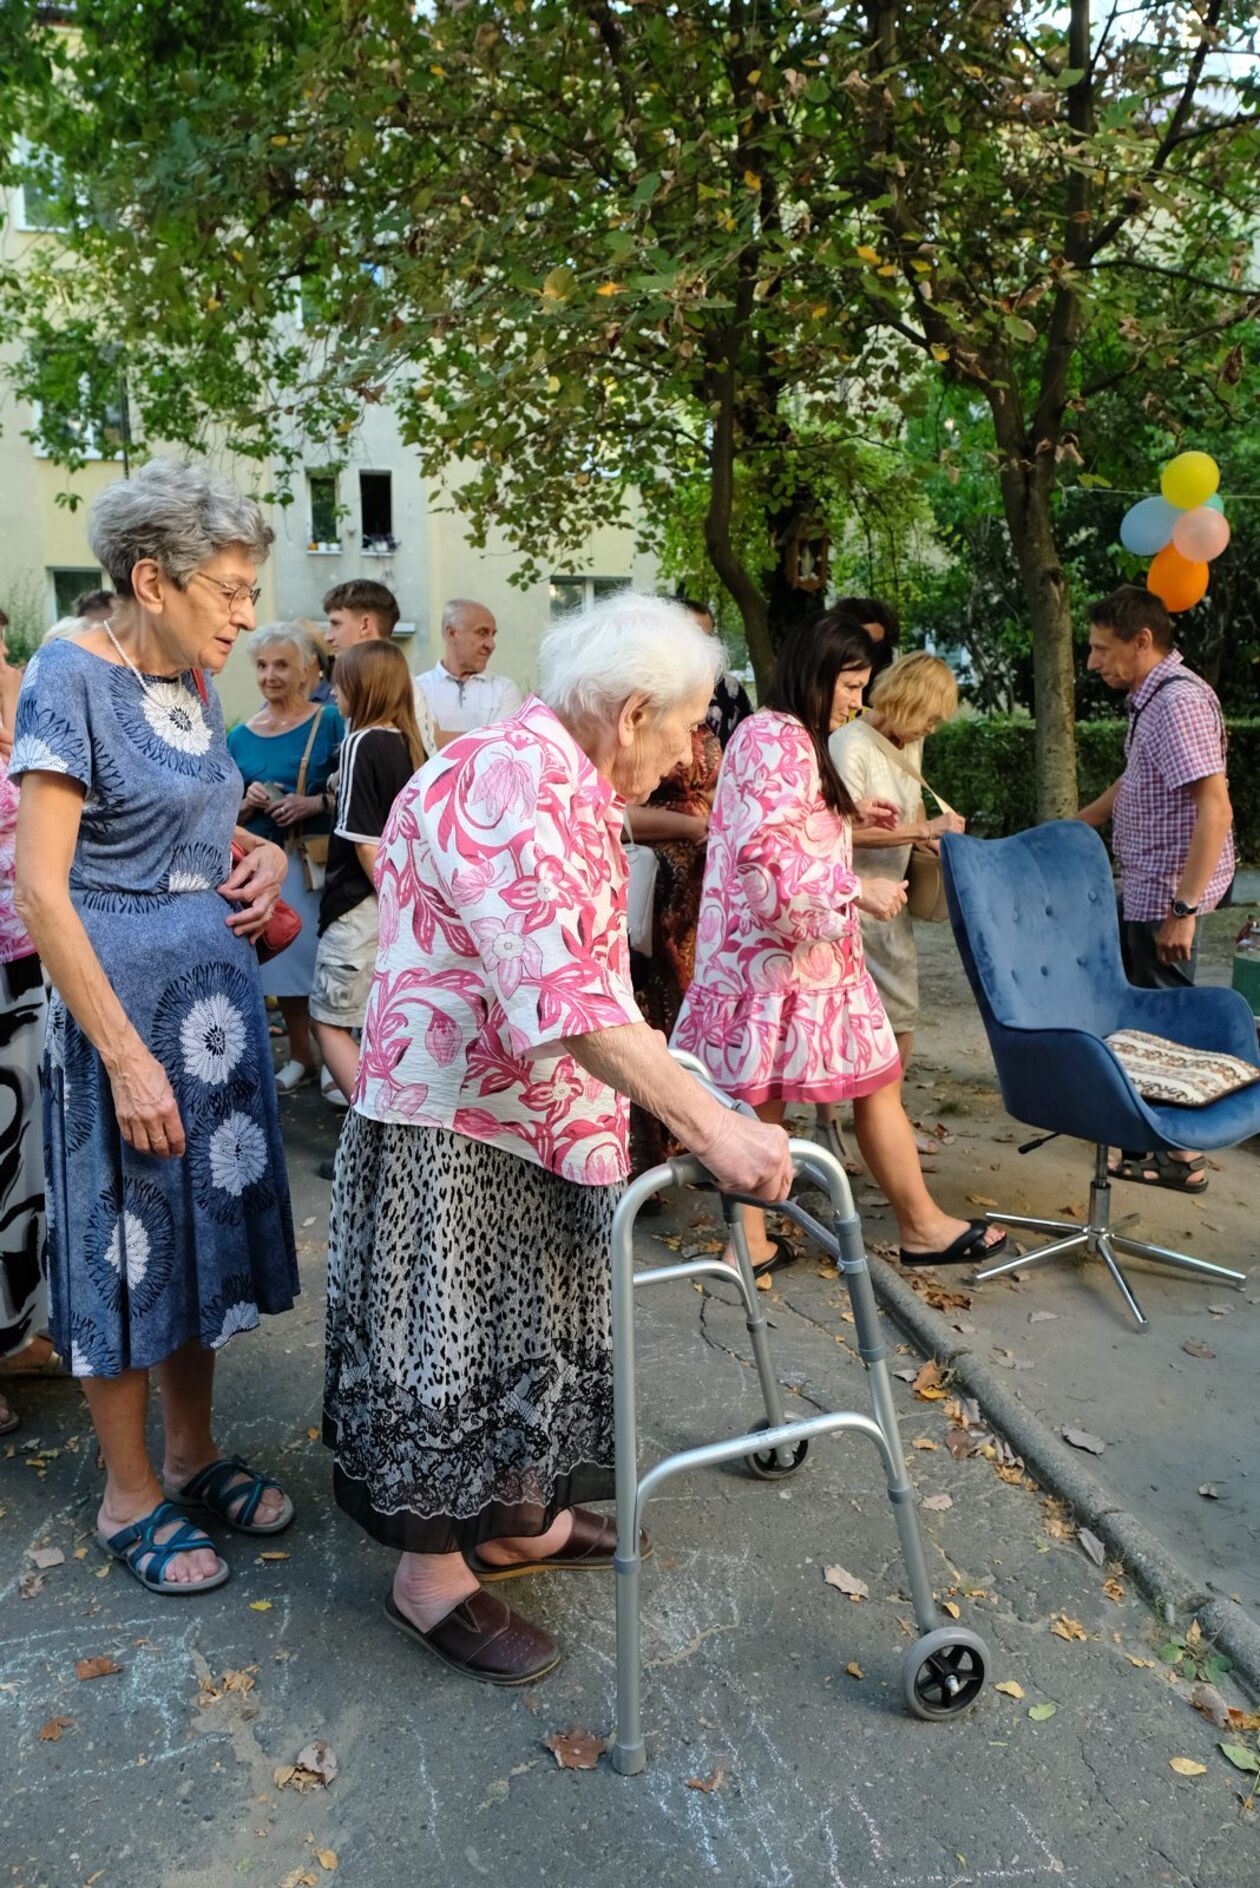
(1096, 1240)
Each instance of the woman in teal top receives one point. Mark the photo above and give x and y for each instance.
(268, 749)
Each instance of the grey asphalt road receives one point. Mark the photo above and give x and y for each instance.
(165, 1776)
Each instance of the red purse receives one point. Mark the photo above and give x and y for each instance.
(283, 925)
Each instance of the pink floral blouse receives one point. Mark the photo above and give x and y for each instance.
(502, 887)
(14, 942)
(782, 1007)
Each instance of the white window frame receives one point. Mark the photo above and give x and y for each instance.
(588, 583)
(89, 445)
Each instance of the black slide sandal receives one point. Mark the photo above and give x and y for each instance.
(969, 1248)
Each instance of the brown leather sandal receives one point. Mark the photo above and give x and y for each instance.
(484, 1639)
(589, 1549)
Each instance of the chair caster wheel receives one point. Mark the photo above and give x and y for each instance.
(943, 1673)
(766, 1467)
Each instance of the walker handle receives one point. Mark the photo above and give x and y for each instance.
(696, 1068)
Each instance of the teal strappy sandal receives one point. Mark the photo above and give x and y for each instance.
(133, 1544)
(212, 1488)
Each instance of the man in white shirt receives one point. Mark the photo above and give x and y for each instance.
(458, 693)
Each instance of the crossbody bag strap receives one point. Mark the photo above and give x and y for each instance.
(899, 760)
(300, 789)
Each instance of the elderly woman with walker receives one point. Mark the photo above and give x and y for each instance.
(468, 1395)
(168, 1208)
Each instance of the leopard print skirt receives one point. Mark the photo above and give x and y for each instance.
(468, 1385)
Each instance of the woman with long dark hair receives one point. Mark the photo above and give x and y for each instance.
(782, 1008)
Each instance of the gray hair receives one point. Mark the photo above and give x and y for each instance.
(454, 608)
(593, 660)
(275, 635)
(179, 515)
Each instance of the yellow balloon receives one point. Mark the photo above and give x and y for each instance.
(1190, 479)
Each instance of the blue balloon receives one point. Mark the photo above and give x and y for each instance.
(1148, 526)
(1215, 502)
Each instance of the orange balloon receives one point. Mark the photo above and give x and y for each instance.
(1176, 581)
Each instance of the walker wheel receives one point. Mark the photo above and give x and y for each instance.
(767, 1467)
(943, 1674)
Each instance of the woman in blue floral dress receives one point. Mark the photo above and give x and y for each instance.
(169, 1226)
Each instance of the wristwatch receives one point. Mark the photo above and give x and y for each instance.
(1180, 909)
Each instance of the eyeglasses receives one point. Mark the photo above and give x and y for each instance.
(232, 591)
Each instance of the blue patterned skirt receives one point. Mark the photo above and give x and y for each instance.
(146, 1253)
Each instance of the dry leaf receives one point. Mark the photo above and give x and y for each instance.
(45, 1557)
(1042, 1317)
(575, 1749)
(714, 1781)
(981, 1199)
(1115, 1590)
(1207, 1699)
(846, 1583)
(1040, 1712)
(260, 1606)
(1010, 1688)
(314, 1767)
(1193, 1348)
(327, 1858)
(1142, 1664)
(299, 1878)
(1081, 1439)
(960, 1444)
(764, 1283)
(937, 1504)
(1243, 1720)
(854, 1669)
(927, 1383)
(1187, 1767)
(51, 1733)
(96, 1668)
(30, 1584)
(1209, 1491)
(273, 1556)
(312, 1435)
(924, 1442)
(1092, 1545)
(951, 1608)
(1065, 1628)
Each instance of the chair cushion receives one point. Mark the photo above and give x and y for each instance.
(1167, 1071)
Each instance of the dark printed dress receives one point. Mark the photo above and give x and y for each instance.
(146, 1253)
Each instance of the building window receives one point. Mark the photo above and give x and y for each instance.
(322, 491)
(578, 593)
(99, 430)
(68, 584)
(34, 200)
(376, 508)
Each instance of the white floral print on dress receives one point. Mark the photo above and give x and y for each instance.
(212, 1039)
(238, 1154)
(128, 1249)
(175, 716)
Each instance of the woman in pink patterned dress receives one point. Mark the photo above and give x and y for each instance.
(781, 1008)
(468, 1393)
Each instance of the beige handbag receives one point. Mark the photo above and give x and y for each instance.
(311, 849)
(925, 890)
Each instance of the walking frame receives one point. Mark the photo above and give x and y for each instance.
(943, 1673)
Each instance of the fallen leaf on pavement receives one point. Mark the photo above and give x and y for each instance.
(1142, 1664)
(960, 1444)
(1010, 1688)
(928, 1383)
(314, 1767)
(51, 1733)
(1220, 1311)
(937, 1504)
(260, 1606)
(1209, 1491)
(1243, 1720)
(96, 1668)
(846, 1583)
(299, 1878)
(1040, 1712)
(1092, 1545)
(327, 1858)
(1207, 1699)
(906, 1372)
(45, 1557)
(1187, 1767)
(924, 1442)
(1193, 1348)
(1042, 1317)
(1242, 1758)
(1065, 1628)
(1081, 1439)
(575, 1749)
(951, 1608)
(981, 1199)
(30, 1584)
(714, 1781)
(854, 1669)
(765, 1284)
(273, 1556)
(1115, 1590)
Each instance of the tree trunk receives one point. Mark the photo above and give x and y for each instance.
(1026, 494)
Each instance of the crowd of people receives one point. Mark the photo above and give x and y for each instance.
(456, 859)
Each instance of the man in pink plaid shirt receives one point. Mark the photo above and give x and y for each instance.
(1172, 824)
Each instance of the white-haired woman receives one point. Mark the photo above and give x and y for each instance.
(168, 1208)
(469, 1382)
(285, 753)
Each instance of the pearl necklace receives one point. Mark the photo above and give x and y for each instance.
(108, 627)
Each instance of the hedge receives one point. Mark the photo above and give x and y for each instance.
(986, 769)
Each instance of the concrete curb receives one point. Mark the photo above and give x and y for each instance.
(1059, 1469)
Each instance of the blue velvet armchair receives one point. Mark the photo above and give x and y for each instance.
(1036, 926)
